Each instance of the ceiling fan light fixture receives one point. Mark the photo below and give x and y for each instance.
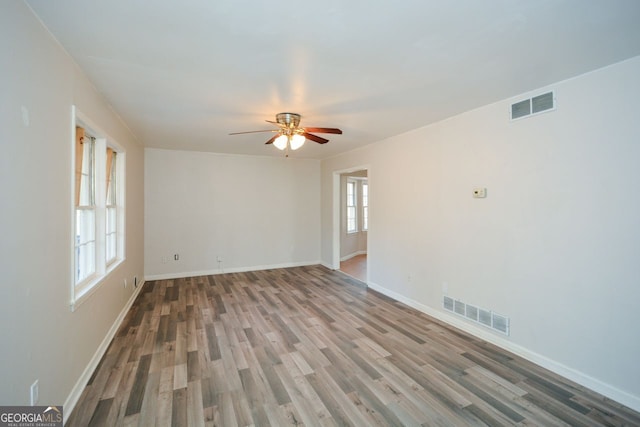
(296, 141)
(281, 142)
(290, 135)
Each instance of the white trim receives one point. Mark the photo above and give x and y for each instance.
(80, 385)
(335, 256)
(581, 378)
(347, 257)
(324, 264)
(72, 207)
(168, 276)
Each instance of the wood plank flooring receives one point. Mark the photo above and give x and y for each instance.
(355, 267)
(310, 346)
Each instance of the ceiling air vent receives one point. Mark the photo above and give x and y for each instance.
(532, 106)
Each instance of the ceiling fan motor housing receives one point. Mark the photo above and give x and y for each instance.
(290, 120)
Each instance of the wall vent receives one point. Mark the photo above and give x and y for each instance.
(532, 106)
(485, 318)
(448, 303)
(500, 323)
(488, 318)
(472, 312)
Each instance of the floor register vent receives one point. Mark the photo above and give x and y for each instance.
(488, 318)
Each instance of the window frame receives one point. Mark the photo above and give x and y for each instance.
(351, 207)
(81, 290)
(111, 206)
(85, 208)
(365, 204)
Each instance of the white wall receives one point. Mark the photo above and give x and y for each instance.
(253, 212)
(555, 246)
(40, 337)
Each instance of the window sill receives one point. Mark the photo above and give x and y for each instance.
(88, 289)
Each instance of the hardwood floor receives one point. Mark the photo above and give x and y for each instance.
(355, 267)
(309, 346)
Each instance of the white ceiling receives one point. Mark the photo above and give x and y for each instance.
(183, 74)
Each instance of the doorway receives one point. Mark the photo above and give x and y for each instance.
(353, 223)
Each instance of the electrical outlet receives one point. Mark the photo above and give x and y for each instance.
(176, 257)
(34, 391)
(479, 193)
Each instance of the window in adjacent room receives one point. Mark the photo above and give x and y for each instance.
(365, 206)
(352, 224)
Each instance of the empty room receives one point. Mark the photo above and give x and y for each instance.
(220, 213)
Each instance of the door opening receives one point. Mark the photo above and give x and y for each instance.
(353, 222)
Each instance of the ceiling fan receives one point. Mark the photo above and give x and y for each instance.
(290, 135)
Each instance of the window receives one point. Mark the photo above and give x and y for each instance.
(365, 206)
(98, 220)
(112, 208)
(85, 237)
(352, 224)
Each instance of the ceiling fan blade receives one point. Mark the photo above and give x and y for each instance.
(254, 131)
(272, 139)
(315, 138)
(271, 121)
(323, 130)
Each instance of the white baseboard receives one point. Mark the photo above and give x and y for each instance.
(620, 396)
(78, 388)
(168, 276)
(347, 257)
(329, 266)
